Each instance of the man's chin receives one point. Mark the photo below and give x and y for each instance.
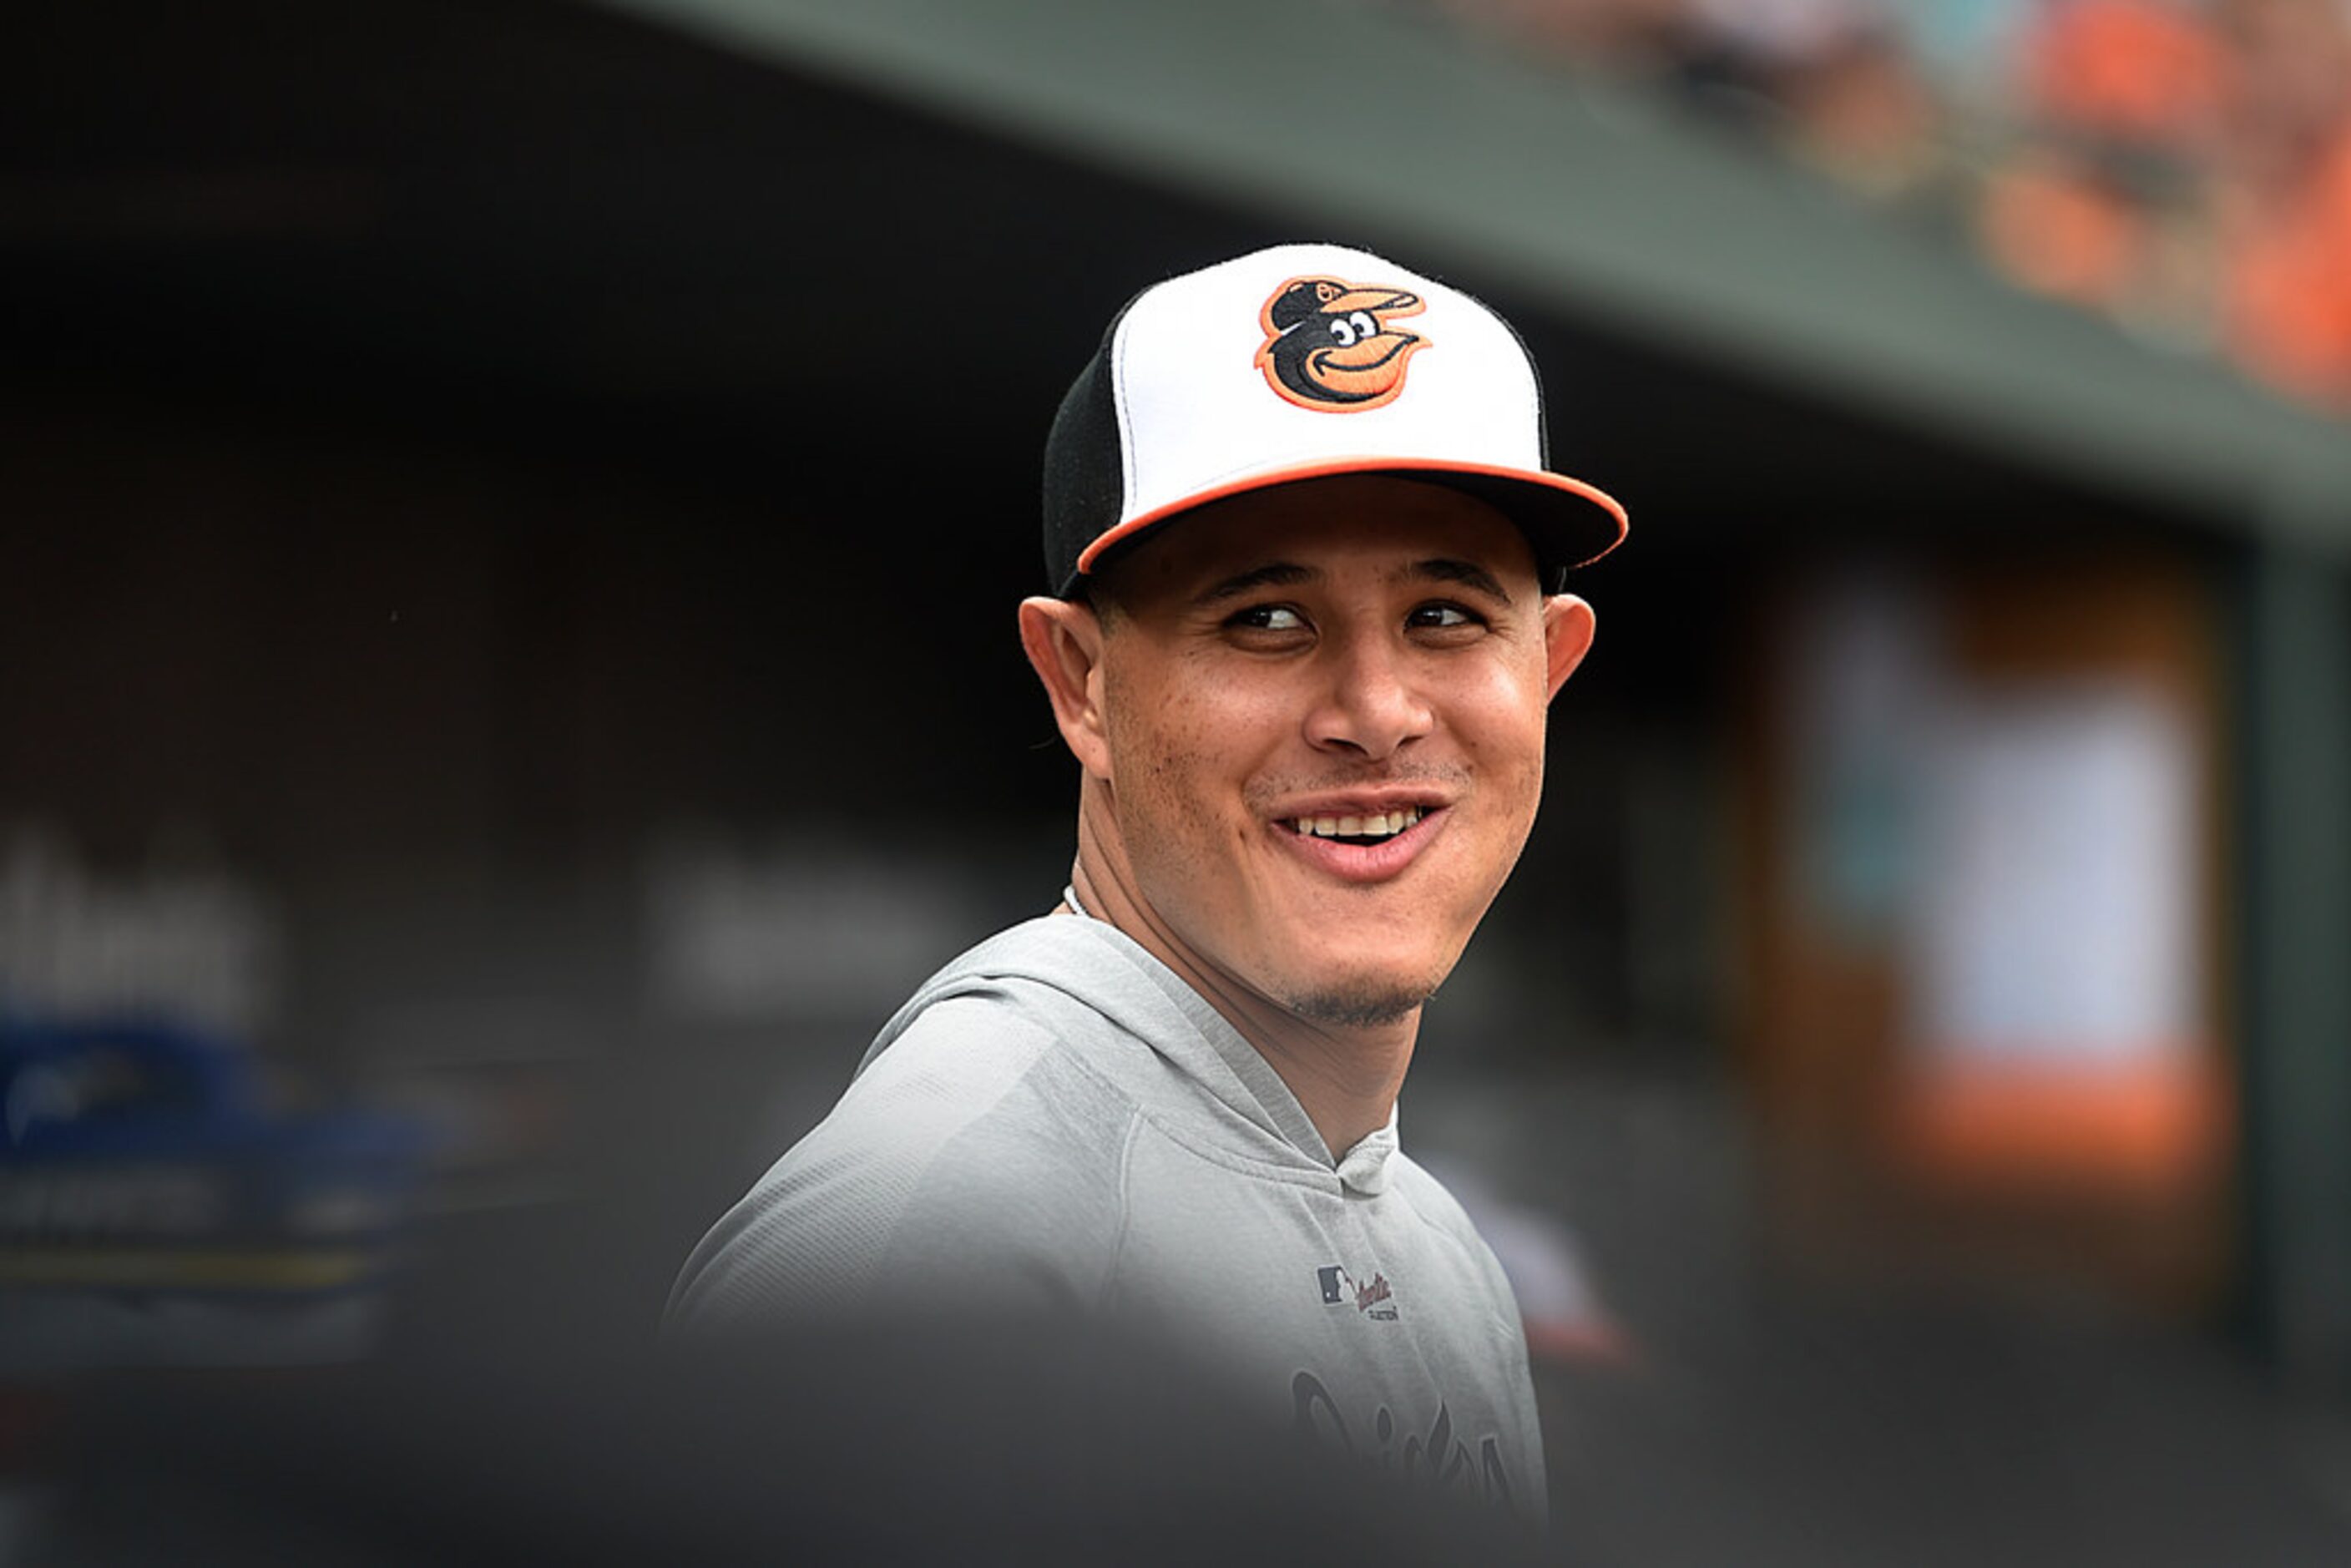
(1357, 1009)
(1368, 1001)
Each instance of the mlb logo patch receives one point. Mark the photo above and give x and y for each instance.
(1373, 1301)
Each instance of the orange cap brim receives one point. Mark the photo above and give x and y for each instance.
(1569, 522)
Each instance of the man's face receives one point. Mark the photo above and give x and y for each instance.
(1323, 733)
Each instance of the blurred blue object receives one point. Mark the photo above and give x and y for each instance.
(154, 1210)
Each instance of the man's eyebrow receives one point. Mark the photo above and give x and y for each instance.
(1468, 574)
(1274, 574)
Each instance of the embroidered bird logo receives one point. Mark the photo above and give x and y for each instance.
(1328, 344)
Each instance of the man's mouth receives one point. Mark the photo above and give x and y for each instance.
(1358, 830)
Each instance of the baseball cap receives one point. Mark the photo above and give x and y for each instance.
(1298, 363)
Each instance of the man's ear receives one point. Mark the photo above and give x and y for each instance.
(1064, 642)
(1567, 636)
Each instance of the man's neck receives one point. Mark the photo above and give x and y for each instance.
(1344, 1077)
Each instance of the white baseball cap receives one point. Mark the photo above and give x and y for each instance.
(1299, 362)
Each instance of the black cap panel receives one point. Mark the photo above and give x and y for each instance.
(1085, 475)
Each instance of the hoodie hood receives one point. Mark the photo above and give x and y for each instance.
(1134, 1022)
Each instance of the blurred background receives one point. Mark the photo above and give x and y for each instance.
(513, 510)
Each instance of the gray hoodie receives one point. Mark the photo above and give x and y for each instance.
(1056, 1121)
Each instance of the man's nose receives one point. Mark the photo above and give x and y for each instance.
(1372, 704)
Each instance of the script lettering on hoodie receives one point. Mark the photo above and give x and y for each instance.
(1439, 1459)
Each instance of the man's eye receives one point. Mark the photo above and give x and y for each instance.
(1443, 615)
(1269, 618)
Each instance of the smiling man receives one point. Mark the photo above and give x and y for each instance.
(1310, 721)
(1305, 627)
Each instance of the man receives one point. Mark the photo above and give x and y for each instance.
(1305, 554)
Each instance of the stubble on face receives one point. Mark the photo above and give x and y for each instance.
(1358, 1009)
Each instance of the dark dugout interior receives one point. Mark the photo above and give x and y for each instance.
(449, 446)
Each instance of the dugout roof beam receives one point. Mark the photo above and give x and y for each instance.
(1361, 120)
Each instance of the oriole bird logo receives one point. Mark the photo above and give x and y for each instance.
(1329, 345)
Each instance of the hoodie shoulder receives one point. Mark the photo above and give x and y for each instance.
(973, 1163)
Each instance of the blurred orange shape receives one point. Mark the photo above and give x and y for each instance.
(2061, 232)
(2135, 70)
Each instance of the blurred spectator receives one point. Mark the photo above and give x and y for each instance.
(1863, 112)
(2284, 194)
(2143, 72)
(2053, 224)
(2288, 302)
(2181, 165)
(2100, 200)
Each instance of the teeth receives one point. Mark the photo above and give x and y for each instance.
(1378, 826)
